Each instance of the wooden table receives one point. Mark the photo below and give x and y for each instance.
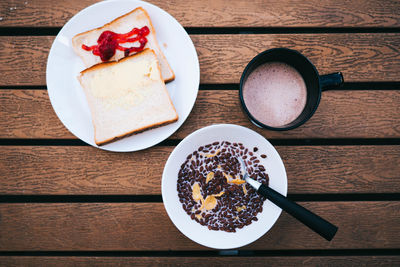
(63, 202)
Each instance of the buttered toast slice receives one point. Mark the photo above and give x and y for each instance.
(127, 97)
(137, 18)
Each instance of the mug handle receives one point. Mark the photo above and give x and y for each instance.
(331, 81)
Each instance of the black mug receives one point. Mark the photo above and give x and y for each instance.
(314, 82)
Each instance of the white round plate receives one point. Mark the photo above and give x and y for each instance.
(201, 234)
(63, 67)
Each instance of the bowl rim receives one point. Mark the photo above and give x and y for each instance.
(169, 200)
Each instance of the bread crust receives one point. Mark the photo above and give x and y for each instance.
(105, 142)
(109, 63)
(116, 21)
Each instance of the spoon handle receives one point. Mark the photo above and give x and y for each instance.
(313, 221)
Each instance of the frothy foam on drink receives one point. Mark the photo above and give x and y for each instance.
(275, 94)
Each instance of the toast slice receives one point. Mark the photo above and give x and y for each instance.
(127, 96)
(137, 18)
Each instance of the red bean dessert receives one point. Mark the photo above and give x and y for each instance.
(212, 190)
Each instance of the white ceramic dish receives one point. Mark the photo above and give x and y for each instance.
(63, 66)
(193, 230)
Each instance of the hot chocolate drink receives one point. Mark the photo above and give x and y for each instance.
(275, 94)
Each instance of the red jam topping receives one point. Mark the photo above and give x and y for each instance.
(109, 42)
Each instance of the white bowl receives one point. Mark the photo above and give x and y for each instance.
(201, 234)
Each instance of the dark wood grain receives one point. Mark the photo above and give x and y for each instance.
(197, 261)
(361, 57)
(212, 13)
(65, 170)
(146, 226)
(341, 114)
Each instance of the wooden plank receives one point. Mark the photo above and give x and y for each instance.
(196, 261)
(341, 114)
(23, 59)
(145, 226)
(362, 57)
(29, 114)
(218, 13)
(47, 170)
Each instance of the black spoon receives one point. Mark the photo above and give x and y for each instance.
(313, 221)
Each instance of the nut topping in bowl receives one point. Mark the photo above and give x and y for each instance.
(212, 190)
